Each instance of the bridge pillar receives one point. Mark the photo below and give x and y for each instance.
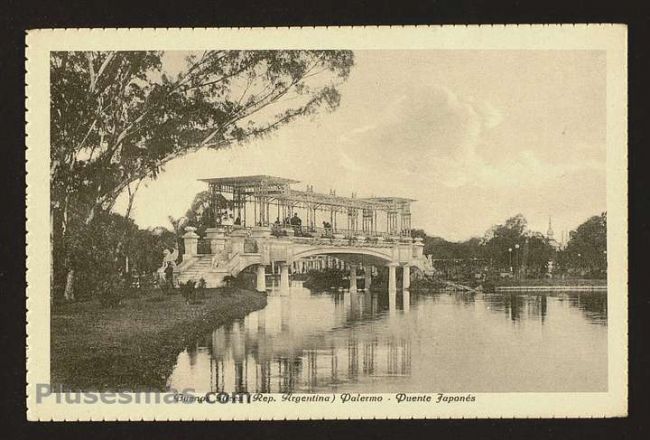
(406, 277)
(353, 277)
(367, 277)
(392, 277)
(217, 238)
(418, 248)
(284, 276)
(190, 240)
(406, 301)
(261, 278)
(237, 238)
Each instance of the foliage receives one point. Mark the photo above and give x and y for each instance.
(188, 290)
(324, 279)
(229, 281)
(537, 252)
(503, 246)
(100, 251)
(502, 242)
(200, 288)
(587, 247)
(117, 118)
(111, 290)
(512, 244)
(199, 215)
(230, 284)
(439, 248)
(426, 284)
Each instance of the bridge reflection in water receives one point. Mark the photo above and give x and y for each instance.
(305, 341)
(302, 342)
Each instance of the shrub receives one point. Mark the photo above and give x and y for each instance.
(229, 284)
(229, 281)
(188, 290)
(200, 288)
(147, 282)
(326, 279)
(110, 290)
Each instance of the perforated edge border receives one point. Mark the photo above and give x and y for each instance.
(30, 171)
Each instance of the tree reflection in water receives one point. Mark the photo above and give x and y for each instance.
(322, 342)
(512, 304)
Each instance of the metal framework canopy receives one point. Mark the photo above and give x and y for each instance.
(261, 191)
(397, 203)
(249, 185)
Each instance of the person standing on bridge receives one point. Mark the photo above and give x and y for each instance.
(296, 222)
(328, 228)
(276, 227)
(227, 222)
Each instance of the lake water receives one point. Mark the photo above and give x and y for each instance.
(305, 341)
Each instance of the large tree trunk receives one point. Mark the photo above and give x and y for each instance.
(69, 286)
(63, 255)
(58, 260)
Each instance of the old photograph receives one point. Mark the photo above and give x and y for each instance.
(341, 224)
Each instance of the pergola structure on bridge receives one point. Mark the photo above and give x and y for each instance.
(264, 200)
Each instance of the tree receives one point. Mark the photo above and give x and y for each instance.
(538, 253)
(512, 244)
(102, 250)
(117, 118)
(501, 241)
(587, 246)
(200, 213)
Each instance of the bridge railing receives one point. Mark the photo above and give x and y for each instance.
(349, 241)
(321, 232)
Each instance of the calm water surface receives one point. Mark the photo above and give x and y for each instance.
(305, 341)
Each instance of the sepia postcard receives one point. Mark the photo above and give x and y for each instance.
(327, 223)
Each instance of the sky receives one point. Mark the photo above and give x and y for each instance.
(474, 136)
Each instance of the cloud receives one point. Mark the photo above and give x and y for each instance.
(430, 132)
(437, 137)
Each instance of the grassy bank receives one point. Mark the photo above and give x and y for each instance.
(135, 345)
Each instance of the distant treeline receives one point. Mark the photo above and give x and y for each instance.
(512, 247)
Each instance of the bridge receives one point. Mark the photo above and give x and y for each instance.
(377, 233)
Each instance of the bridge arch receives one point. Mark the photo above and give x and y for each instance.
(245, 263)
(381, 257)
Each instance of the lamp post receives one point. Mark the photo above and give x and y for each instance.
(510, 258)
(580, 263)
(517, 258)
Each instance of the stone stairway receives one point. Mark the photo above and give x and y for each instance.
(201, 267)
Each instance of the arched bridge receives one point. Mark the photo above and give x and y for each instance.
(231, 250)
(357, 232)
